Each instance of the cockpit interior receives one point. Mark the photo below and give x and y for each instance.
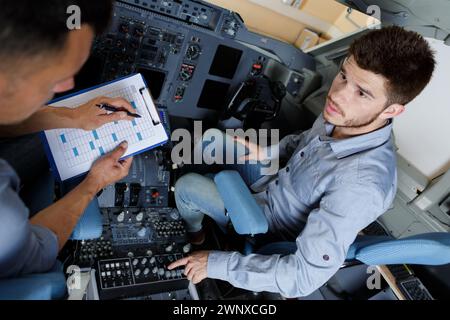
(259, 65)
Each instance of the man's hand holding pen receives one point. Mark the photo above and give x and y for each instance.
(90, 116)
(111, 108)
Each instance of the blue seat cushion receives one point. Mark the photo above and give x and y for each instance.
(364, 241)
(423, 249)
(244, 212)
(90, 224)
(39, 286)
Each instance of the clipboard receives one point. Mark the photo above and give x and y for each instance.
(71, 152)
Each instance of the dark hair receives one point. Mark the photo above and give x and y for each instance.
(403, 57)
(29, 28)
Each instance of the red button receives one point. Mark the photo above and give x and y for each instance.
(155, 194)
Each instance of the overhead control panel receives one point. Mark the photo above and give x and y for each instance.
(193, 55)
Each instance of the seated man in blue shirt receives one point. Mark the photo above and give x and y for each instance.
(340, 177)
(39, 57)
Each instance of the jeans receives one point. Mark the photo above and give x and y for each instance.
(197, 195)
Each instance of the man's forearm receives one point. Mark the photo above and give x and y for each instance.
(45, 119)
(63, 216)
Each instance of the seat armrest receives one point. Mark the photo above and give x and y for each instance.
(244, 212)
(423, 249)
(39, 286)
(90, 224)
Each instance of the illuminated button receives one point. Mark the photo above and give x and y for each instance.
(187, 248)
(141, 233)
(257, 66)
(155, 194)
(140, 216)
(121, 217)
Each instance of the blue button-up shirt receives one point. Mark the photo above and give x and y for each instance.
(329, 191)
(24, 248)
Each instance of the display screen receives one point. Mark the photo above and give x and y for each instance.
(214, 95)
(154, 79)
(225, 62)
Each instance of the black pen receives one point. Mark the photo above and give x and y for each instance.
(111, 108)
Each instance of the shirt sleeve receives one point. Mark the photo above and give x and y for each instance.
(24, 248)
(321, 247)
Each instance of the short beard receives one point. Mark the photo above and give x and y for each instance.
(360, 124)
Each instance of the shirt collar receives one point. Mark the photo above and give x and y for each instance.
(346, 147)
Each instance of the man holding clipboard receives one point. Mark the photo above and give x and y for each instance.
(39, 57)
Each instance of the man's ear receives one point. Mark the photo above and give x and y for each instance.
(392, 111)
